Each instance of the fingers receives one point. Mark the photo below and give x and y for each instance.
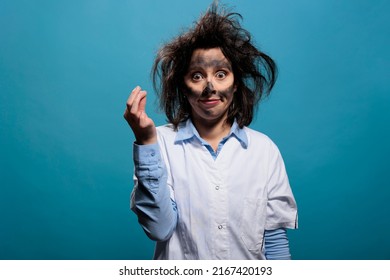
(138, 104)
(142, 126)
(132, 96)
(135, 103)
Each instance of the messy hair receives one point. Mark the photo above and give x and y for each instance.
(254, 72)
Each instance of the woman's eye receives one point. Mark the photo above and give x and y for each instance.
(197, 77)
(221, 75)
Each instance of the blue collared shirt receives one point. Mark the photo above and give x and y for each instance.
(188, 131)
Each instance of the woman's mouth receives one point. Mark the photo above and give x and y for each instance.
(210, 102)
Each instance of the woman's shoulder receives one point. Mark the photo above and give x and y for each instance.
(167, 131)
(259, 139)
(256, 135)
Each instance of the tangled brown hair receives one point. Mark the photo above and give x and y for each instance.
(254, 72)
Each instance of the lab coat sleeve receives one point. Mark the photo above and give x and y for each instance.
(281, 206)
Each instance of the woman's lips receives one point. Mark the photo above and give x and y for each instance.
(209, 102)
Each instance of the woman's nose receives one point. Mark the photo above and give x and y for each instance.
(208, 89)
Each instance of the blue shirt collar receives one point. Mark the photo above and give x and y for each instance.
(186, 131)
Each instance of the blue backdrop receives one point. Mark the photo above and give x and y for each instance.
(67, 67)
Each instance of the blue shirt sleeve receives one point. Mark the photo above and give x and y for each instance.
(150, 199)
(276, 244)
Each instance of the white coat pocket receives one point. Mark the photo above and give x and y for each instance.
(253, 223)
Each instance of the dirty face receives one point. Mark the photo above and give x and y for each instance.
(210, 83)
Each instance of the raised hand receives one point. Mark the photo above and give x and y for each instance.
(143, 127)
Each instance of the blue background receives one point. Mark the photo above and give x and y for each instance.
(67, 67)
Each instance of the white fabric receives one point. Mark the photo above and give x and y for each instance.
(224, 205)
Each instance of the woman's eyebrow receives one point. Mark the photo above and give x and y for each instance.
(203, 63)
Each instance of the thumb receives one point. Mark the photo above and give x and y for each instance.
(142, 102)
(144, 120)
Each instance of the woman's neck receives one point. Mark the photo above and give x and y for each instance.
(212, 132)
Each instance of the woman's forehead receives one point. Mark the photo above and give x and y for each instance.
(209, 58)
